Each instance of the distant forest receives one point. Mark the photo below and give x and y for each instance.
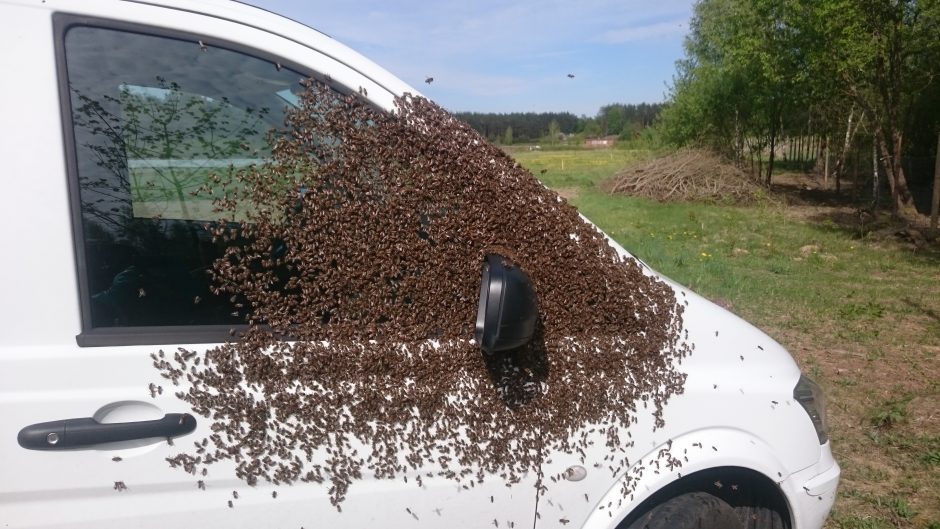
(623, 120)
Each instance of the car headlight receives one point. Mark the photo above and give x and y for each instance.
(810, 396)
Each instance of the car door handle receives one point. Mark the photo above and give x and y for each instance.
(84, 432)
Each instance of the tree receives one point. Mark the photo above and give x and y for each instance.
(738, 81)
(507, 136)
(884, 54)
(554, 129)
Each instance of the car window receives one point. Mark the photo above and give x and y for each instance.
(153, 119)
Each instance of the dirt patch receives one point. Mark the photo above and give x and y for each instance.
(884, 416)
(568, 193)
(807, 199)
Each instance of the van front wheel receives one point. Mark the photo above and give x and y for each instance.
(693, 510)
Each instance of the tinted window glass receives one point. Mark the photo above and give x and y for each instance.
(153, 119)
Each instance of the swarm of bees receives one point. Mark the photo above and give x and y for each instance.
(385, 237)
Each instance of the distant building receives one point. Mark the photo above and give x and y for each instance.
(600, 143)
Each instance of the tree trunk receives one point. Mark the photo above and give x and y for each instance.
(875, 184)
(935, 204)
(900, 194)
(770, 160)
(855, 189)
(826, 151)
(846, 145)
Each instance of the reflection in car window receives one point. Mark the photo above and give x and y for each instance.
(153, 119)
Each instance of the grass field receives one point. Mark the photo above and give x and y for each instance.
(861, 314)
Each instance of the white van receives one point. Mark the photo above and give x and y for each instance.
(84, 436)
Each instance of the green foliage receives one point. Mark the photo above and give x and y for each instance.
(740, 77)
(628, 121)
(855, 311)
(526, 126)
(759, 70)
(931, 458)
(890, 413)
(901, 508)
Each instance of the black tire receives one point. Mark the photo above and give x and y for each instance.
(760, 517)
(693, 510)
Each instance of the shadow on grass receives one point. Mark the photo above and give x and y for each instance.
(808, 195)
(926, 311)
(848, 212)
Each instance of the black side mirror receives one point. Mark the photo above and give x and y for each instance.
(508, 309)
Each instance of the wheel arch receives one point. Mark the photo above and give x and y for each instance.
(742, 463)
(750, 493)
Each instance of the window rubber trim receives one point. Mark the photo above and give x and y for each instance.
(91, 336)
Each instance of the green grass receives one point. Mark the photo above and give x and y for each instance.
(773, 268)
(860, 314)
(576, 168)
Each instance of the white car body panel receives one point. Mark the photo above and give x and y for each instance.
(740, 410)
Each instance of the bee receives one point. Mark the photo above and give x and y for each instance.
(570, 76)
(564, 521)
(718, 484)
(141, 292)
(230, 504)
(202, 46)
(278, 66)
(120, 486)
(429, 80)
(235, 494)
(201, 484)
(274, 494)
(117, 459)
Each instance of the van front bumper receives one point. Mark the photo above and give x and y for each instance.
(811, 492)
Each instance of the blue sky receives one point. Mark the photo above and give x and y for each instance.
(498, 56)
